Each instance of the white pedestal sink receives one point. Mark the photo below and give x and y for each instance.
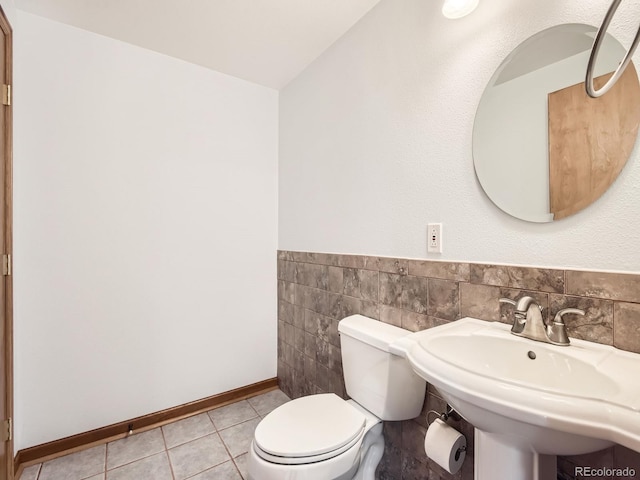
(529, 401)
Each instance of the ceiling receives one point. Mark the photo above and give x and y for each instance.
(268, 42)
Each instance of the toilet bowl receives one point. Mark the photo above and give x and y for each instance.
(329, 441)
(323, 437)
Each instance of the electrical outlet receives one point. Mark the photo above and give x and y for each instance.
(434, 238)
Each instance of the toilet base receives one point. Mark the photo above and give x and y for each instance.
(372, 451)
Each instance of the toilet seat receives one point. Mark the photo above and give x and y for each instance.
(309, 429)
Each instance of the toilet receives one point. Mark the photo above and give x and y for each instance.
(323, 437)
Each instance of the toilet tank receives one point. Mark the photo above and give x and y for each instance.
(380, 381)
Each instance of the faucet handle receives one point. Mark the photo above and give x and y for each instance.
(558, 318)
(518, 316)
(508, 300)
(524, 302)
(557, 331)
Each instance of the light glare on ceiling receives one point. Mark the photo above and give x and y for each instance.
(458, 8)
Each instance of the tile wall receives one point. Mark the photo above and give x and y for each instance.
(316, 290)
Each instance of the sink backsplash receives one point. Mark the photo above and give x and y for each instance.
(316, 290)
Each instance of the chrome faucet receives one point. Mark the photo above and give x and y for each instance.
(528, 322)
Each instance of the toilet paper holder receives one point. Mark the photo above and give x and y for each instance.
(449, 412)
(444, 416)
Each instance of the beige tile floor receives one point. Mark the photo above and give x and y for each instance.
(209, 446)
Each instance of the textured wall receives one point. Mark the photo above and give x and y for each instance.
(316, 290)
(375, 142)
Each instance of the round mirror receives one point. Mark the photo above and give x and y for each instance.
(542, 148)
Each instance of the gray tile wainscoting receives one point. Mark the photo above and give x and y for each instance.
(316, 290)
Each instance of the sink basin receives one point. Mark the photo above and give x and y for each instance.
(492, 355)
(529, 399)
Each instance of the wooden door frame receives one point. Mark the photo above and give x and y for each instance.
(7, 231)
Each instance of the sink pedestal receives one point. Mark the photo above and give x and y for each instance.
(496, 458)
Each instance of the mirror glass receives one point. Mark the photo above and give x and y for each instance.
(542, 148)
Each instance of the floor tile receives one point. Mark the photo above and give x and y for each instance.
(31, 473)
(184, 431)
(241, 463)
(268, 401)
(135, 447)
(226, 471)
(155, 467)
(238, 438)
(197, 456)
(196, 451)
(76, 466)
(233, 414)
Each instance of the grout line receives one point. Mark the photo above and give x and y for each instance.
(135, 460)
(613, 325)
(166, 451)
(173, 475)
(459, 316)
(233, 460)
(225, 447)
(215, 429)
(106, 454)
(253, 408)
(208, 469)
(195, 438)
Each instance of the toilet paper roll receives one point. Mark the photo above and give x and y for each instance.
(445, 446)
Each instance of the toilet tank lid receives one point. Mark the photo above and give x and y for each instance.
(370, 331)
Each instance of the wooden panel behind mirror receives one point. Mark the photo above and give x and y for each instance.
(590, 140)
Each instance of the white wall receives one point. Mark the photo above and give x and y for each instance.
(145, 231)
(375, 142)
